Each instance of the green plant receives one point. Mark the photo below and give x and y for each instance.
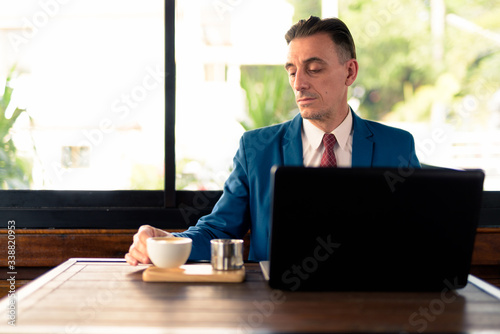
(15, 172)
(270, 99)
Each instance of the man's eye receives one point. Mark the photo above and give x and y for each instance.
(314, 71)
(291, 74)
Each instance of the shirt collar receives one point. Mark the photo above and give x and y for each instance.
(315, 136)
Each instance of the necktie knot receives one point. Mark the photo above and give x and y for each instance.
(328, 159)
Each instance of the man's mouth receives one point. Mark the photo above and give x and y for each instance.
(305, 100)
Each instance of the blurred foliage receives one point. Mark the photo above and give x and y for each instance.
(304, 9)
(394, 50)
(15, 171)
(401, 76)
(406, 74)
(269, 97)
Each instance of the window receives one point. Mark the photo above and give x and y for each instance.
(89, 79)
(217, 42)
(92, 96)
(434, 75)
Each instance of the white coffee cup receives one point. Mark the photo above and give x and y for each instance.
(169, 252)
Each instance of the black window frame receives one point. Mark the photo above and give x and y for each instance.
(129, 209)
(122, 209)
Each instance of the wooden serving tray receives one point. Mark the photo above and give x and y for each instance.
(193, 273)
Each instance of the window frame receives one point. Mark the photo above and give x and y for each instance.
(129, 209)
(114, 209)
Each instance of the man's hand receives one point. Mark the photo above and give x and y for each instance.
(138, 252)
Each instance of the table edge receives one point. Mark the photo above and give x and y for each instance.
(484, 286)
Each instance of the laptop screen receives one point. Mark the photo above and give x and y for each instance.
(372, 228)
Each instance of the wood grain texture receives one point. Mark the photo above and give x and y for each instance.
(113, 297)
(35, 248)
(49, 248)
(487, 247)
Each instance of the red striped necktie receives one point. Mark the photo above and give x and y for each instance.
(328, 159)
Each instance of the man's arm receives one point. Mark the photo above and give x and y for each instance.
(229, 219)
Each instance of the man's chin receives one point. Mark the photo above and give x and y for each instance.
(307, 113)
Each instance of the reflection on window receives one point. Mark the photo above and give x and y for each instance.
(88, 77)
(430, 67)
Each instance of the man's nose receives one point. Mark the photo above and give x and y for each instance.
(300, 82)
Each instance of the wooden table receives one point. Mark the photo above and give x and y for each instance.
(109, 296)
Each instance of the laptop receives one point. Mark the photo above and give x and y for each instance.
(372, 229)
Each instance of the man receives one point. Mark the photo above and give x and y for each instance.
(321, 64)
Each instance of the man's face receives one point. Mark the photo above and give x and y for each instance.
(318, 79)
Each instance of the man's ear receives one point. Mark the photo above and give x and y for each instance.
(352, 71)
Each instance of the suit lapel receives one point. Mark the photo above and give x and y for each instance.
(362, 143)
(292, 143)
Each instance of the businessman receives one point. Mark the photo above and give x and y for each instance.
(321, 65)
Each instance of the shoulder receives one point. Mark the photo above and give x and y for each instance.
(389, 146)
(378, 129)
(268, 130)
(272, 132)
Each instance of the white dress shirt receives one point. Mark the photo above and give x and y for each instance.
(312, 143)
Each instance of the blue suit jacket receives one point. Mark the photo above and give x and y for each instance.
(245, 202)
